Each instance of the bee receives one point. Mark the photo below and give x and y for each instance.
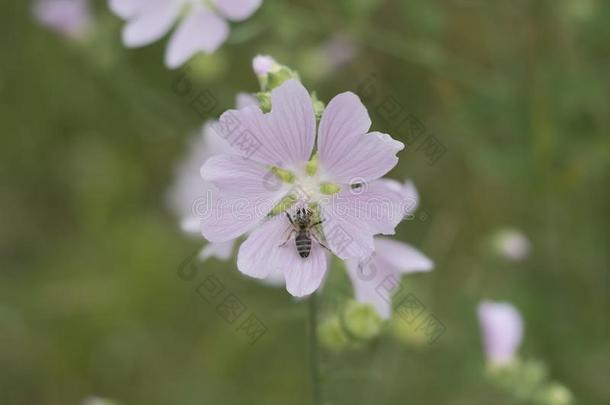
(302, 227)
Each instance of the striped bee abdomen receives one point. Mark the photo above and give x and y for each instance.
(303, 242)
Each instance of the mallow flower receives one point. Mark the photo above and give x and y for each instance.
(188, 194)
(333, 194)
(377, 277)
(202, 27)
(502, 330)
(69, 18)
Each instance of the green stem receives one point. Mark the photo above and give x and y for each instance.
(313, 351)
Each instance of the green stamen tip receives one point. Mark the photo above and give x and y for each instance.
(285, 175)
(283, 205)
(312, 166)
(329, 188)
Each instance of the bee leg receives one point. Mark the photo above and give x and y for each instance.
(314, 237)
(290, 219)
(288, 238)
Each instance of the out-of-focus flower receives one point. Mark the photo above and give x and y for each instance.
(202, 26)
(70, 18)
(377, 277)
(334, 195)
(502, 330)
(263, 64)
(98, 401)
(511, 244)
(339, 50)
(190, 193)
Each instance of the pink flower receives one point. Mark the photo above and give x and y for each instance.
(189, 193)
(70, 18)
(376, 278)
(502, 329)
(338, 186)
(202, 28)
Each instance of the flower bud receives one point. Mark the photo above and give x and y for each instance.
(362, 320)
(331, 334)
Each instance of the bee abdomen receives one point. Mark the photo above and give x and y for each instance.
(303, 243)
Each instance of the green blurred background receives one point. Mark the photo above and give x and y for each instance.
(90, 300)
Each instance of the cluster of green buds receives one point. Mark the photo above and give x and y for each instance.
(352, 326)
(528, 382)
(271, 75)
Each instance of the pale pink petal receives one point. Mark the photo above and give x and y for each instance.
(243, 198)
(347, 152)
(285, 136)
(237, 10)
(408, 192)
(502, 329)
(190, 224)
(344, 117)
(261, 256)
(221, 251)
(153, 21)
(363, 158)
(258, 256)
(400, 256)
(244, 100)
(127, 8)
(303, 275)
(353, 216)
(202, 30)
(373, 283)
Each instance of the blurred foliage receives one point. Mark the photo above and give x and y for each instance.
(91, 303)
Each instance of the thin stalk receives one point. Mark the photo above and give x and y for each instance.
(313, 351)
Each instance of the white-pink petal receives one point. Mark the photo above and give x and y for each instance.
(353, 216)
(153, 21)
(347, 152)
(285, 136)
(243, 198)
(237, 10)
(201, 31)
(127, 8)
(401, 256)
(261, 256)
(502, 329)
(220, 251)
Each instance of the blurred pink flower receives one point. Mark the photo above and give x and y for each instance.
(203, 27)
(377, 277)
(502, 330)
(70, 18)
(190, 192)
(511, 244)
(349, 161)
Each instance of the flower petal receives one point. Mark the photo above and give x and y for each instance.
(284, 137)
(373, 283)
(221, 251)
(400, 256)
(502, 328)
(244, 197)
(244, 100)
(202, 30)
(237, 10)
(354, 216)
(152, 22)
(346, 151)
(126, 8)
(262, 256)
